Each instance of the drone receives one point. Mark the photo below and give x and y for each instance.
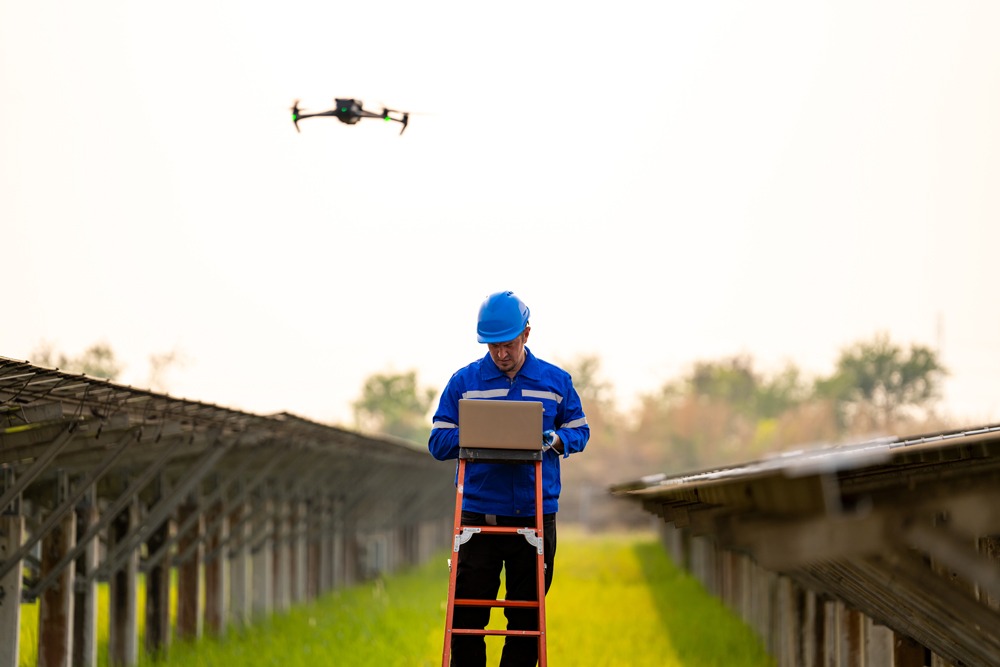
(351, 111)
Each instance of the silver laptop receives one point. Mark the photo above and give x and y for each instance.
(499, 424)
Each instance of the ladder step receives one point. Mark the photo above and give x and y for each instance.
(530, 604)
(495, 530)
(502, 633)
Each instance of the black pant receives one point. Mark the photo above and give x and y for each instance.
(480, 561)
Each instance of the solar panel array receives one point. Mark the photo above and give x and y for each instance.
(877, 552)
(98, 479)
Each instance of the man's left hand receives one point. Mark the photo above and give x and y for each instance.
(550, 439)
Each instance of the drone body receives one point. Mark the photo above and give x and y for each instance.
(351, 111)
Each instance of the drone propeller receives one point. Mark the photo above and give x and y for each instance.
(386, 116)
(295, 115)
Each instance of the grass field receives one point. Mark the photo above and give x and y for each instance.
(616, 600)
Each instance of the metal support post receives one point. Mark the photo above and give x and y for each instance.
(55, 613)
(327, 547)
(240, 574)
(123, 594)
(11, 531)
(282, 555)
(157, 639)
(216, 603)
(298, 551)
(189, 619)
(338, 566)
(315, 540)
(263, 568)
(85, 589)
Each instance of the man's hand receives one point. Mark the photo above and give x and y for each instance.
(550, 439)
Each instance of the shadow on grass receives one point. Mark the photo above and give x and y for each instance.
(702, 629)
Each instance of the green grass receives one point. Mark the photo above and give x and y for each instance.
(619, 600)
(28, 650)
(615, 600)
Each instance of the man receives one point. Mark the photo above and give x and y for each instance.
(504, 495)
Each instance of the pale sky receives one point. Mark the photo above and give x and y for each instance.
(660, 182)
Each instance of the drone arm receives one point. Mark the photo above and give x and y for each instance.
(318, 113)
(297, 116)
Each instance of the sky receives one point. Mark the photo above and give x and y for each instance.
(661, 183)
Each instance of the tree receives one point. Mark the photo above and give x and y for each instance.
(735, 381)
(596, 397)
(394, 404)
(731, 381)
(723, 411)
(877, 382)
(586, 371)
(586, 477)
(97, 361)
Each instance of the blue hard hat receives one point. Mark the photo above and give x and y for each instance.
(502, 317)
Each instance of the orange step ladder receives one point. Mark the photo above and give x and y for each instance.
(463, 534)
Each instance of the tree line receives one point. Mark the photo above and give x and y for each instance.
(99, 361)
(717, 413)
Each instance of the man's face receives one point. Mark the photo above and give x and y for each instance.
(509, 356)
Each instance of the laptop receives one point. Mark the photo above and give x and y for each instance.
(492, 424)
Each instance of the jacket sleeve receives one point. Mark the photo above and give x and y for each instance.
(571, 423)
(443, 443)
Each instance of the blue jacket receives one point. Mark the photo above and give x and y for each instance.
(502, 489)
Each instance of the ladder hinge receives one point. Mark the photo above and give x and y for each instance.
(465, 536)
(533, 539)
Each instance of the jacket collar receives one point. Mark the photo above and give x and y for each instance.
(529, 369)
